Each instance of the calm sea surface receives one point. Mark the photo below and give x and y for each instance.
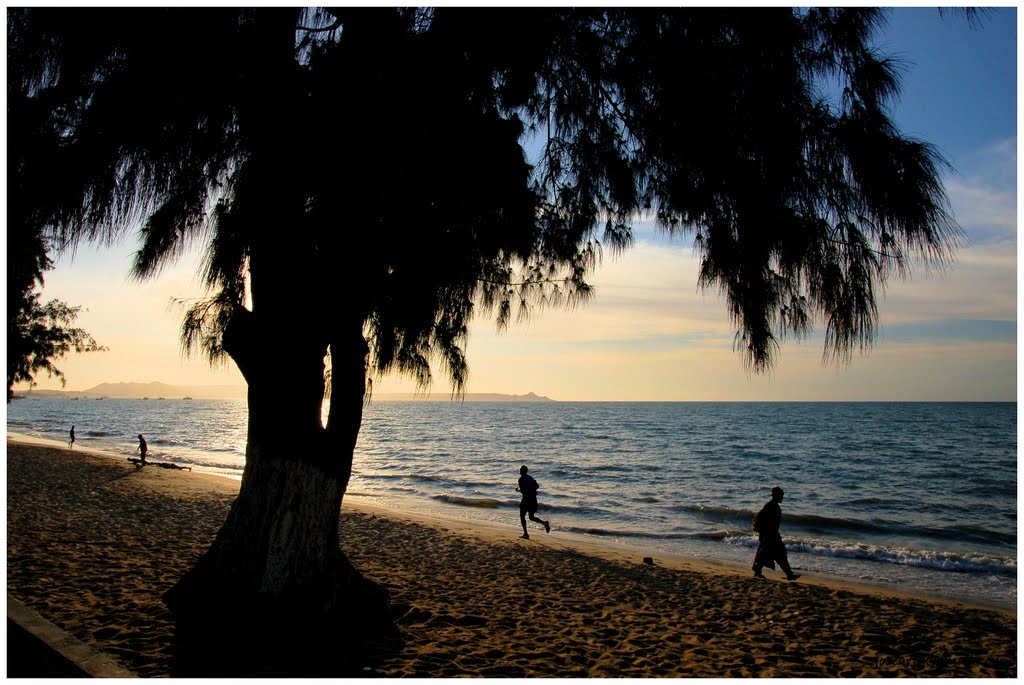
(915, 496)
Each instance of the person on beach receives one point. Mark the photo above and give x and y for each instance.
(71, 442)
(529, 487)
(771, 550)
(142, 448)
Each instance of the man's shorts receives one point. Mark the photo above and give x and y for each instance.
(528, 506)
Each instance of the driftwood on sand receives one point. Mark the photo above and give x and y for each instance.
(162, 464)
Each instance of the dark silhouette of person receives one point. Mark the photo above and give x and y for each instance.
(529, 487)
(71, 442)
(771, 549)
(143, 447)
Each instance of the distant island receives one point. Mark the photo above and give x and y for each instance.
(157, 390)
(468, 397)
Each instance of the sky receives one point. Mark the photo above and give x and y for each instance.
(649, 334)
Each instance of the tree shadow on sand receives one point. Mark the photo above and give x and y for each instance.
(260, 642)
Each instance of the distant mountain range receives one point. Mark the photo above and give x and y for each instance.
(157, 390)
(154, 390)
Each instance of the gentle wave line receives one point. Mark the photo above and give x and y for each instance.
(814, 522)
(953, 562)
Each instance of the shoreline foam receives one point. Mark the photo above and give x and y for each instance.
(469, 596)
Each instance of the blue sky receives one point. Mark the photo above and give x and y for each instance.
(960, 86)
(649, 334)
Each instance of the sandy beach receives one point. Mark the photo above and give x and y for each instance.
(93, 543)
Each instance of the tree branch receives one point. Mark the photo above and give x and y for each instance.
(337, 24)
(511, 284)
(898, 258)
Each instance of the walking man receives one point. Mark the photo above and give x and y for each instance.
(529, 487)
(71, 442)
(771, 549)
(142, 448)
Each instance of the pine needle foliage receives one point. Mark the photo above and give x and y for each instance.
(397, 141)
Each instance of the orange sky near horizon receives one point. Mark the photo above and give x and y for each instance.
(648, 335)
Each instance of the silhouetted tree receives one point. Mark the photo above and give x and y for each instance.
(360, 178)
(37, 334)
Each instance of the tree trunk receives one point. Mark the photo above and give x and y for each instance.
(274, 594)
(275, 574)
(279, 546)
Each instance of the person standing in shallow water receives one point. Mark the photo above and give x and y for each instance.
(71, 442)
(771, 549)
(142, 448)
(529, 487)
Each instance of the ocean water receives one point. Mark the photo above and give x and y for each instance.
(912, 496)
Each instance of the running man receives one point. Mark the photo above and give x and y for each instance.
(529, 487)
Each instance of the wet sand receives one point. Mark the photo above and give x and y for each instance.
(93, 543)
